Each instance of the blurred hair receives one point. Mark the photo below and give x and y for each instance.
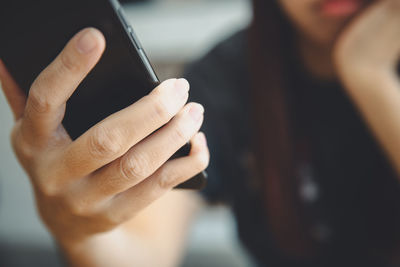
(271, 46)
(271, 55)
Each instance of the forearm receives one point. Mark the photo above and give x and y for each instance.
(366, 56)
(113, 248)
(155, 237)
(117, 170)
(118, 248)
(377, 95)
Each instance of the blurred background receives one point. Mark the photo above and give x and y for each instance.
(173, 33)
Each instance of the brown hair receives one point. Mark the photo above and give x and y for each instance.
(271, 45)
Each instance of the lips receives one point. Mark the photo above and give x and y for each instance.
(340, 8)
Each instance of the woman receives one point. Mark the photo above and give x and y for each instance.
(303, 113)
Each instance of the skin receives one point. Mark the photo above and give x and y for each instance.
(103, 195)
(362, 51)
(316, 35)
(88, 190)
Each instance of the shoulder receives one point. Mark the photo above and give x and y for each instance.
(219, 81)
(221, 73)
(230, 51)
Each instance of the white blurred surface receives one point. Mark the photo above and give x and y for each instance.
(180, 31)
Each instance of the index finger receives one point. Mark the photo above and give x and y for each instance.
(54, 86)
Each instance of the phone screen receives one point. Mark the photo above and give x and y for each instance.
(34, 32)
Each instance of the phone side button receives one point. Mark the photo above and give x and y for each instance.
(135, 39)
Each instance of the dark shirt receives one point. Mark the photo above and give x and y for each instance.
(354, 194)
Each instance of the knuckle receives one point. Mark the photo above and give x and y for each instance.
(180, 134)
(134, 167)
(76, 208)
(104, 142)
(165, 180)
(22, 149)
(25, 152)
(48, 188)
(39, 101)
(160, 108)
(68, 63)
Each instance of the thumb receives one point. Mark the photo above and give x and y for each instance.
(14, 94)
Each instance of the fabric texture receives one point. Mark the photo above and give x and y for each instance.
(357, 211)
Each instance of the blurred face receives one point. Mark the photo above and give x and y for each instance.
(321, 20)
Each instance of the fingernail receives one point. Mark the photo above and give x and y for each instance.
(87, 42)
(196, 111)
(181, 86)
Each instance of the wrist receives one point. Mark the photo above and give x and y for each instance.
(98, 249)
(71, 248)
(362, 76)
(83, 251)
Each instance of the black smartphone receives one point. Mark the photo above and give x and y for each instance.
(32, 33)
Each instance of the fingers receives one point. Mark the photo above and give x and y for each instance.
(53, 87)
(372, 41)
(172, 173)
(14, 95)
(114, 136)
(142, 160)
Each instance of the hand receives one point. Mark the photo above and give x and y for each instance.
(115, 169)
(366, 56)
(370, 46)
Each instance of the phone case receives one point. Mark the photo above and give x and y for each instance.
(31, 42)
